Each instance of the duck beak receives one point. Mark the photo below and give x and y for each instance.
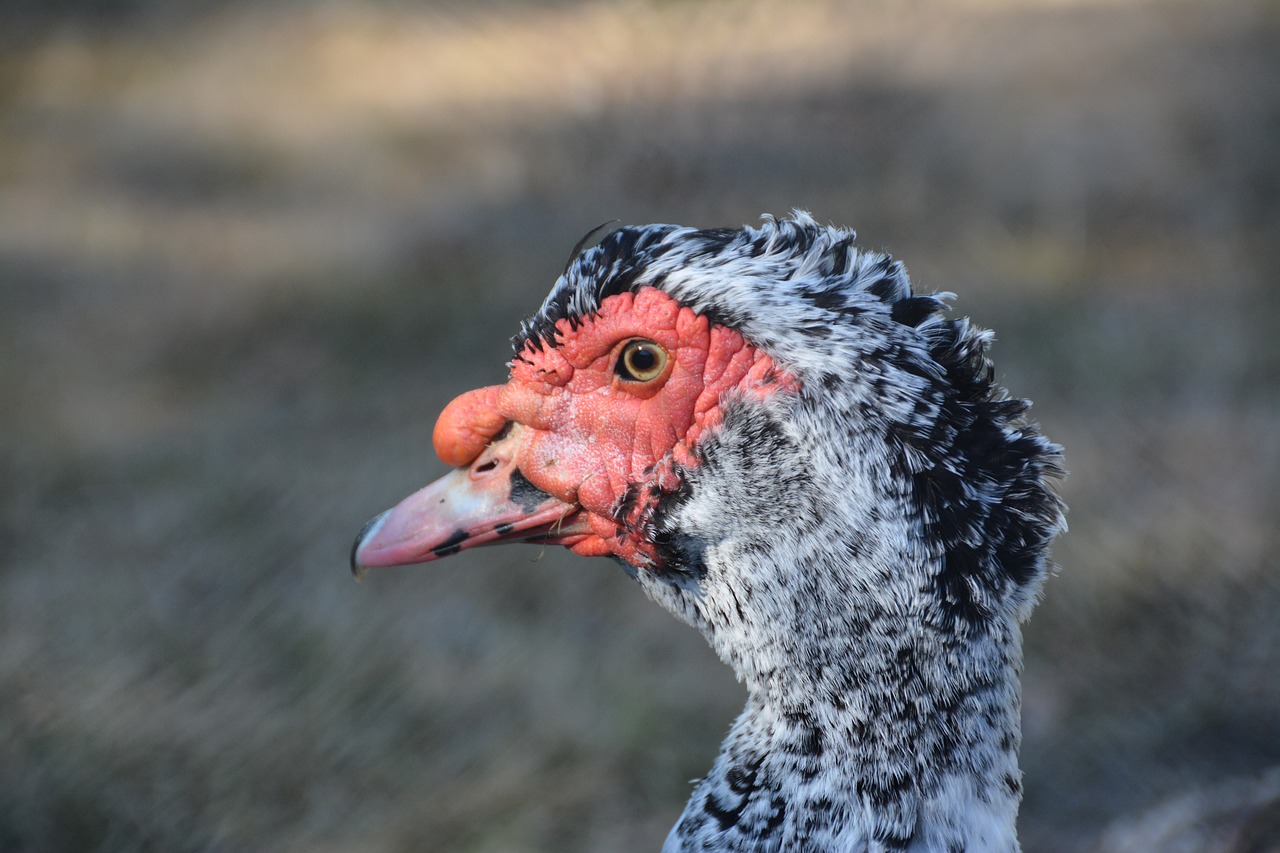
(487, 502)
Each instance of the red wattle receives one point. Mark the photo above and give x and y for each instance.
(592, 439)
(467, 425)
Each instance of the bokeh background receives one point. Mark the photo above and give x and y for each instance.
(249, 250)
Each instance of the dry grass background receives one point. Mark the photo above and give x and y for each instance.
(248, 251)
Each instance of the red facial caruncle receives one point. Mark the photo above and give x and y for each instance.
(582, 441)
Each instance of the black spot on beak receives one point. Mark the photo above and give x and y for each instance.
(526, 494)
(452, 545)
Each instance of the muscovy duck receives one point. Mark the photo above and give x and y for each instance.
(792, 452)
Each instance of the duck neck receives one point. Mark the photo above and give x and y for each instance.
(865, 727)
(871, 608)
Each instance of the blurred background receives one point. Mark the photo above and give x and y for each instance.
(249, 250)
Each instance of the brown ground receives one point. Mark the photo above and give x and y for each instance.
(248, 251)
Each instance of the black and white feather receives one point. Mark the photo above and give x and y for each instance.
(860, 552)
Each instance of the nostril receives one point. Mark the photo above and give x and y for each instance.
(486, 467)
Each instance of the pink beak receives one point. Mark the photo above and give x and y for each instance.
(487, 502)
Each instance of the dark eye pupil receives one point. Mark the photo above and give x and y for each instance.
(642, 359)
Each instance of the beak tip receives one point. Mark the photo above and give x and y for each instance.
(359, 569)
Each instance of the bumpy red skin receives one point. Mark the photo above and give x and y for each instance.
(589, 434)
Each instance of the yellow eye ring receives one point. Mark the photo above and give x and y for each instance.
(641, 361)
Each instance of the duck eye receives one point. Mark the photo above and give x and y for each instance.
(641, 361)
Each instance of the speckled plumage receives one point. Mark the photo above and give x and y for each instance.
(860, 552)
